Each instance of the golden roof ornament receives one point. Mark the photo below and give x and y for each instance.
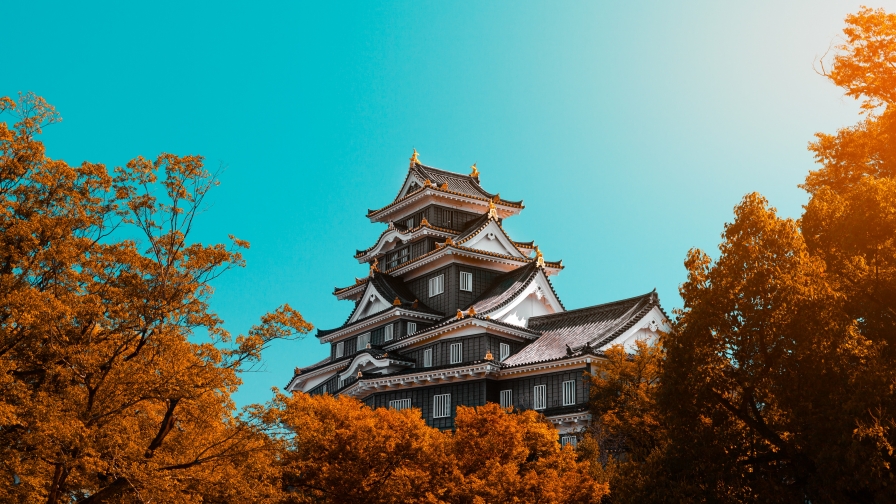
(539, 259)
(489, 356)
(449, 241)
(492, 210)
(444, 186)
(475, 173)
(497, 198)
(414, 159)
(359, 373)
(471, 311)
(460, 314)
(397, 302)
(391, 225)
(415, 304)
(424, 222)
(298, 371)
(427, 183)
(374, 266)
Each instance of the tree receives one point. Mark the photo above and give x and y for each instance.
(339, 450)
(776, 384)
(108, 391)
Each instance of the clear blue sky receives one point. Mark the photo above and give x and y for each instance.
(630, 129)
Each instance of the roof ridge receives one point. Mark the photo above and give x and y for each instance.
(596, 307)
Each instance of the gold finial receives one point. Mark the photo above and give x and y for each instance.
(375, 266)
(497, 198)
(460, 314)
(298, 371)
(415, 304)
(414, 159)
(449, 241)
(444, 186)
(539, 259)
(475, 171)
(391, 225)
(471, 311)
(424, 222)
(368, 346)
(359, 373)
(489, 356)
(427, 183)
(397, 302)
(492, 210)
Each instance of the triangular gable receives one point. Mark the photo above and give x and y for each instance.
(535, 300)
(492, 238)
(411, 183)
(646, 328)
(371, 302)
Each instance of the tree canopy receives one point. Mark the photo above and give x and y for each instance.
(776, 382)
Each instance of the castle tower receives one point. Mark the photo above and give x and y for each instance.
(456, 312)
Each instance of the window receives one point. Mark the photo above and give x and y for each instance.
(569, 393)
(323, 390)
(466, 281)
(409, 223)
(436, 285)
(539, 400)
(505, 351)
(341, 382)
(427, 357)
(412, 327)
(363, 341)
(457, 352)
(441, 406)
(387, 333)
(568, 440)
(340, 349)
(400, 404)
(506, 398)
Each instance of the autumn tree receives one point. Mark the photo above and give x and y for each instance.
(339, 450)
(115, 376)
(777, 380)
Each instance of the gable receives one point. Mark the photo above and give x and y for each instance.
(411, 184)
(535, 300)
(369, 303)
(647, 328)
(492, 238)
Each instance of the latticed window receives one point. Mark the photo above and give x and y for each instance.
(427, 357)
(363, 341)
(539, 397)
(505, 351)
(466, 281)
(436, 285)
(569, 393)
(457, 352)
(506, 398)
(387, 333)
(441, 406)
(340, 349)
(412, 327)
(568, 440)
(400, 404)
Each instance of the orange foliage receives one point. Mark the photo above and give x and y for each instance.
(339, 450)
(107, 393)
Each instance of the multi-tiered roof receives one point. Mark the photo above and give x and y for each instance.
(444, 273)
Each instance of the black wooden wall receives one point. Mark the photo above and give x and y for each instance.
(474, 349)
(452, 298)
(523, 388)
(399, 331)
(466, 393)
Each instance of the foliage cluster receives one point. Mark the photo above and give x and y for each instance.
(776, 383)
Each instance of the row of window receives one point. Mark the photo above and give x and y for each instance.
(364, 339)
(437, 283)
(456, 356)
(539, 396)
(441, 403)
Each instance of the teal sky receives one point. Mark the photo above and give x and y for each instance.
(629, 129)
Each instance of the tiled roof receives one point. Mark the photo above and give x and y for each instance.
(574, 329)
(504, 288)
(457, 182)
(361, 253)
(390, 288)
(462, 185)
